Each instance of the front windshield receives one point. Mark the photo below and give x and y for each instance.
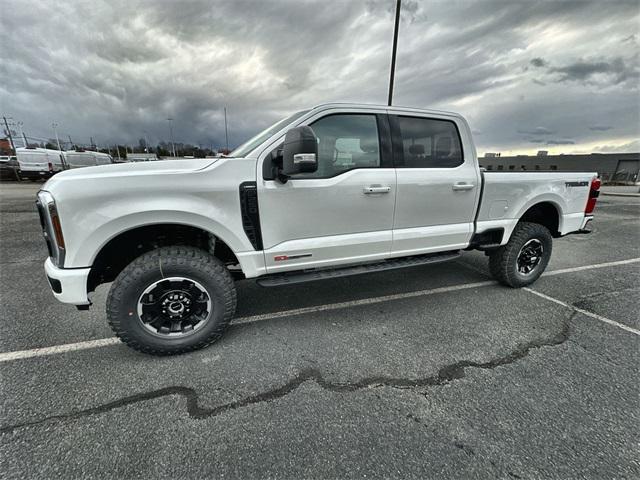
(252, 143)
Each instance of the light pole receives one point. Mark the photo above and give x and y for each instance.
(8, 130)
(393, 52)
(146, 142)
(24, 137)
(55, 129)
(226, 132)
(173, 146)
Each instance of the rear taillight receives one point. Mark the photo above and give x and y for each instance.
(594, 192)
(50, 167)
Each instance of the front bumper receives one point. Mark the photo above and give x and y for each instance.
(69, 285)
(35, 174)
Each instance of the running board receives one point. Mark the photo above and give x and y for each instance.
(279, 279)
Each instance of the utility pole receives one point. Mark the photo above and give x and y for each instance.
(91, 139)
(173, 146)
(393, 52)
(70, 141)
(146, 142)
(226, 132)
(8, 130)
(55, 129)
(24, 137)
(118, 150)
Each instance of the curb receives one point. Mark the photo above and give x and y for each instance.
(621, 194)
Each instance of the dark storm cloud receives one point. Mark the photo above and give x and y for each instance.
(537, 131)
(617, 70)
(613, 71)
(560, 142)
(539, 62)
(115, 70)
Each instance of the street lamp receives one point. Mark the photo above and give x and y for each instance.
(55, 129)
(393, 51)
(173, 147)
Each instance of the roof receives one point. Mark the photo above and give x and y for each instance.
(393, 108)
(38, 150)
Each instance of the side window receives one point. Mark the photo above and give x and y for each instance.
(429, 143)
(345, 142)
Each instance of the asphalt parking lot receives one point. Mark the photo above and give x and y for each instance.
(433, 371)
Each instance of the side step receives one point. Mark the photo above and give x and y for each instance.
(279, 279)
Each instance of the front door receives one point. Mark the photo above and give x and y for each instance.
(343, 212)
(438, 186)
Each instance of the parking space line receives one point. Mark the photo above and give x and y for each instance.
(69, 347)
(364, 301)
(584, 312)
(591, 267)
(103, 342)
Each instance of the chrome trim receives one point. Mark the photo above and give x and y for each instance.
(46, 204)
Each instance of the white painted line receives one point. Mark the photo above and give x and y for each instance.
(103, 342)
(364, 301)
(591, 267)
(45, 351)
(585, 312)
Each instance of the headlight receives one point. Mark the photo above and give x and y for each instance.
(51, 227)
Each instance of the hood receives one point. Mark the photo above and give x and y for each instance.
(159, 167)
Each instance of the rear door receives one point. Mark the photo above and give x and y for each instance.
(343, 212)
(33, 161)
(438, 185)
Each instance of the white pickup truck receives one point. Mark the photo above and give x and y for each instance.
(340, 189)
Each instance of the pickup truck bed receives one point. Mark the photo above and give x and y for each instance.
(506, 197)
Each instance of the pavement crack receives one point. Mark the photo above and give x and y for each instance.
(446, 374)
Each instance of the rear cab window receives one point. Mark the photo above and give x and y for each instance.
(426, 142)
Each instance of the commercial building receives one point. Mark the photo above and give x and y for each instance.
(622, 168)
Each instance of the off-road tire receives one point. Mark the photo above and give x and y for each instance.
(503, 261)
(166, 262)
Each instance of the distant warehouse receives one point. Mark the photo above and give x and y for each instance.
(613, 167)
(142, 157)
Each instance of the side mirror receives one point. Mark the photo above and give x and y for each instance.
(300, 151)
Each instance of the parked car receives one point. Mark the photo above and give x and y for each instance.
(9, 168)
(336, 190)
(86, 158)
(40, 163)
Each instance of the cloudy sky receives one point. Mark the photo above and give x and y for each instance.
(559, 75)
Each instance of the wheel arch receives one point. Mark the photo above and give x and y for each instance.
(126, 245)
(546, 213)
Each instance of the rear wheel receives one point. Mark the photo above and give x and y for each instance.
(171, 300)
(524, 258)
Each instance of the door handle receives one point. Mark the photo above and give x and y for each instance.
(462, 186)
(376, 189)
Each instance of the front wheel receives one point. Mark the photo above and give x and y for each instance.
(523, 259)
(171, 300)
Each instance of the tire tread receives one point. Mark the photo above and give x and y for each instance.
(165, 256)
(502, 260)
